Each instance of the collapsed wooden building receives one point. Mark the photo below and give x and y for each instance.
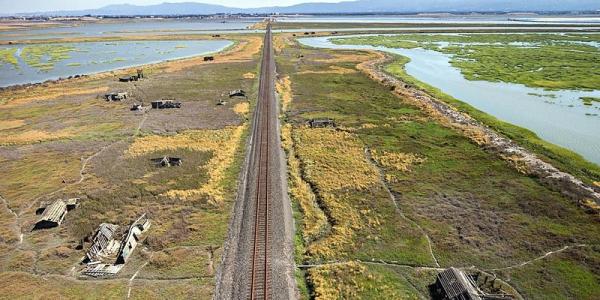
(108, 254)
(165, 104)
(321, 123)
(103, 243)
(137, 107)
(131, 238)
(138, 76)
(116, 96)
(237, 93)
(209, 58)
(453, 284)
(168, 161)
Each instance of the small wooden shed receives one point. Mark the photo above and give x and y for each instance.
(321, 123)
(53, 215)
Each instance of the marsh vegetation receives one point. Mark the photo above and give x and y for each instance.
(418, 194)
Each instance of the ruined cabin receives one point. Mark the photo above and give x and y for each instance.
(209, 58)
(131, 238)
(454, 284)
(321, 123)
(237, 93)
(128, 78)
(103, 242)
(53, 215)
(163, 104)
(116, 96)
(168, 161)
(136, 107)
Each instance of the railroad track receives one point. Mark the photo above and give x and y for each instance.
(260, 267)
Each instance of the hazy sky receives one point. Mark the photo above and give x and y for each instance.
(14, 6)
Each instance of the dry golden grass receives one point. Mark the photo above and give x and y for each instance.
(33, 136)
(597, 183)
(249, 75)
(25, 96)
(353, 280)
(314, 220)
(11, 124)
(331, 70)
(335, 162)
(242, 108)
(281, 41)
(343, 163)
(223, 144)
(400, 162)
(368, 126)
(326, 285)
(284, 89)
(592, 205)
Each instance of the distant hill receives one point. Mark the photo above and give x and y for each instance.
(359, 6)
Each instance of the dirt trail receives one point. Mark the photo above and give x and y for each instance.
(398, 210)
(15, 225)
(130, 283)
(540, 257)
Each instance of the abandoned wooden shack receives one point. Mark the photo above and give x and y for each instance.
(167, 161)
(209, 58)
(237, 93)
(131, 238)
(118, 96)
(454, 284)
(163, 104)
(321, 123)
(109, 253)
(128, 78)
(103, 243)
(53, 215)
(136, 107)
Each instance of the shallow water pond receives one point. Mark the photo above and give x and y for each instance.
(125, 28)
(560, 117)
(21, 64)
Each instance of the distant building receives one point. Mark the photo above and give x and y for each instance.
(163, 104)
(321, 123)
(237, 93)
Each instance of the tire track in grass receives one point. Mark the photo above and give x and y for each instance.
(398, 210)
